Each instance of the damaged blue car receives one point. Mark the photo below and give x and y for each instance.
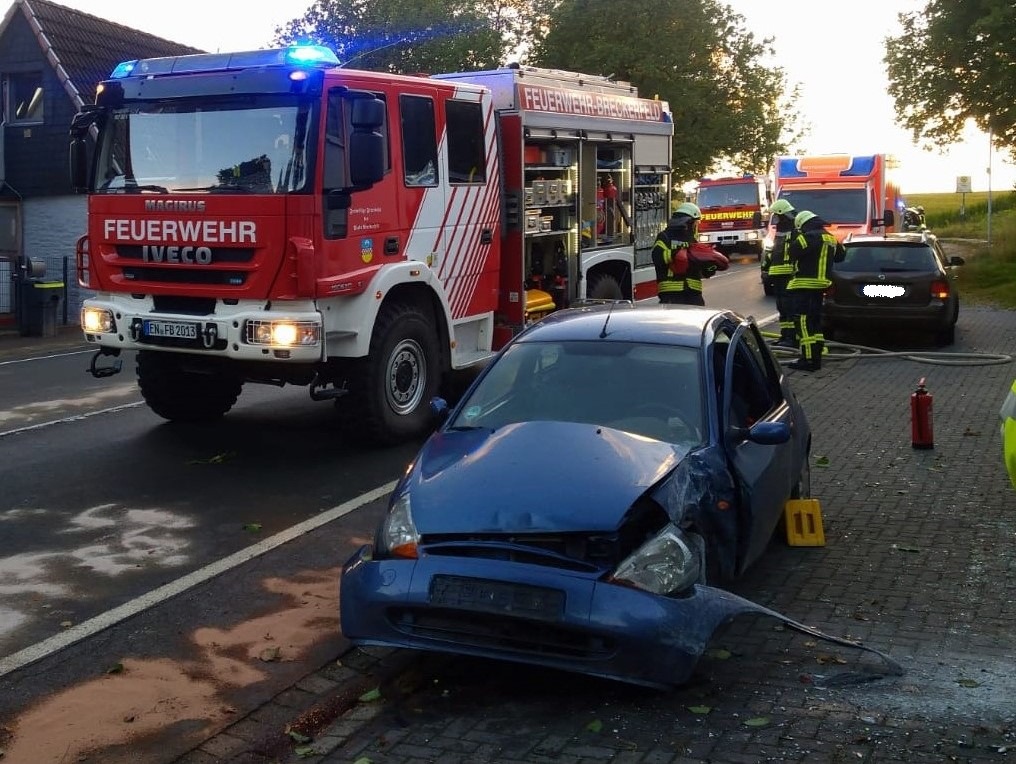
(583, 503)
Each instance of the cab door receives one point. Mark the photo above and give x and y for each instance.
(765, 473)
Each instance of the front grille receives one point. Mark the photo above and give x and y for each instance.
(503, 633)
(500, 597)
(592, 552)
(175, 276)
(155, 265)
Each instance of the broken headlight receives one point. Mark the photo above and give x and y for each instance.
(667, 563)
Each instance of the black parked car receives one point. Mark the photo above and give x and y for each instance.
(898, 281)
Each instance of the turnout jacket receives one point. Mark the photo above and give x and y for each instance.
(811, 254)
(670, 262)
(779, 263)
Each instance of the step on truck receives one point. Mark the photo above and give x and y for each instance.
(272, 217)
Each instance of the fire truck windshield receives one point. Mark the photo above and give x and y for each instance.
(729, 195)
(834, 205)
(202, 146)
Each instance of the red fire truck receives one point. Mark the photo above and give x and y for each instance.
(272, 217)
(733, 213)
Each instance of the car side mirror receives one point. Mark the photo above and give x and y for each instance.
(439, 410)
(956, 260)
(769, 433)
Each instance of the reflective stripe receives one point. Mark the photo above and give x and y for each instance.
(695, 284)
(1008, 416)
(1009, 448)
(781, 270)
(1009, 405)
(670, 285)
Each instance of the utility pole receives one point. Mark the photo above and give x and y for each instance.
(989, 185)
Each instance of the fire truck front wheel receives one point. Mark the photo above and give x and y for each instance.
(183, 395)
(401, 374)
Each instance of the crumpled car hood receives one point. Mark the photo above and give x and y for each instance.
(532, 477)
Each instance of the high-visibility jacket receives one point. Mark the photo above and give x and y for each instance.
(811, 253)
(1008, 416)
(670, 258)
(778, 258)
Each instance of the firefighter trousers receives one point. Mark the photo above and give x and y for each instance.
(807, 306)
(784, 308)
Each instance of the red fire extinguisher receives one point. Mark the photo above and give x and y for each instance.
(920, 417)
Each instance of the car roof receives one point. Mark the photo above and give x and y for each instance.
(624, 322)
(890, 239)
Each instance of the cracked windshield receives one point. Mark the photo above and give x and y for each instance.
(189, 148)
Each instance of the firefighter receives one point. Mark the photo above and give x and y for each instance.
(703, 259)
(670, 253)
(811, 251)
(1008, 417)
(780, 269)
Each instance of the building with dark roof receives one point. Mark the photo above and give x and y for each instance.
(51, 59)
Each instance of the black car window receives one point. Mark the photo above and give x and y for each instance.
(751, 396)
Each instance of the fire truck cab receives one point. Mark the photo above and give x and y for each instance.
(272, 217)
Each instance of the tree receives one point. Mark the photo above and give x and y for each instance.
(418, 35)
(954, 62)
(729, 106)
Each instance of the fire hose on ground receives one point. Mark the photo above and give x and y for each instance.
(865, 352)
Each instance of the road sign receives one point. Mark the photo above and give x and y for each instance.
(963, 184)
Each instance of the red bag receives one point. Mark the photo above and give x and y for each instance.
(679, 262)
(706, 254)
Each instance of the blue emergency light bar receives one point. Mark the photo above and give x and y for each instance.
(305, 56)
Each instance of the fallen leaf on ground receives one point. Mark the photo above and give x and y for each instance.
(758, 721)
(700, 710)
(968, 683)
(719, 654)
(252, 527)
(822, 461)
(297, 737)
(370, 696)
(270, 654)
(594, 726)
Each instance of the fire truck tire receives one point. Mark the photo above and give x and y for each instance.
(180, 395)
(401, 374)
(605, 287)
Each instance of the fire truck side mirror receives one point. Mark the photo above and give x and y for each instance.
(890, 219)
(82, 122)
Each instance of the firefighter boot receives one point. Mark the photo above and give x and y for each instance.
(787, 338)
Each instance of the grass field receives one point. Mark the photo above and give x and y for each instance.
(989, 276)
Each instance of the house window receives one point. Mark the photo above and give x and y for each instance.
(24, 97)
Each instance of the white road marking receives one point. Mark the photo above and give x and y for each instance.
(44, 357)
(75, 418)
(112, 617)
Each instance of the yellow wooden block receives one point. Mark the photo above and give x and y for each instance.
(803, 518)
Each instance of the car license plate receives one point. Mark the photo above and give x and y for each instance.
(497, 597)
(883, 290)
(171, 329)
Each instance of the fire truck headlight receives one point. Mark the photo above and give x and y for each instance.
(751, 235)
(283, 334)
(703, 237)
(97, 320)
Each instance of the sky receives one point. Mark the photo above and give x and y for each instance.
(833, 50)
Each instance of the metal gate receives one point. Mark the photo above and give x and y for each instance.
(6, 290)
